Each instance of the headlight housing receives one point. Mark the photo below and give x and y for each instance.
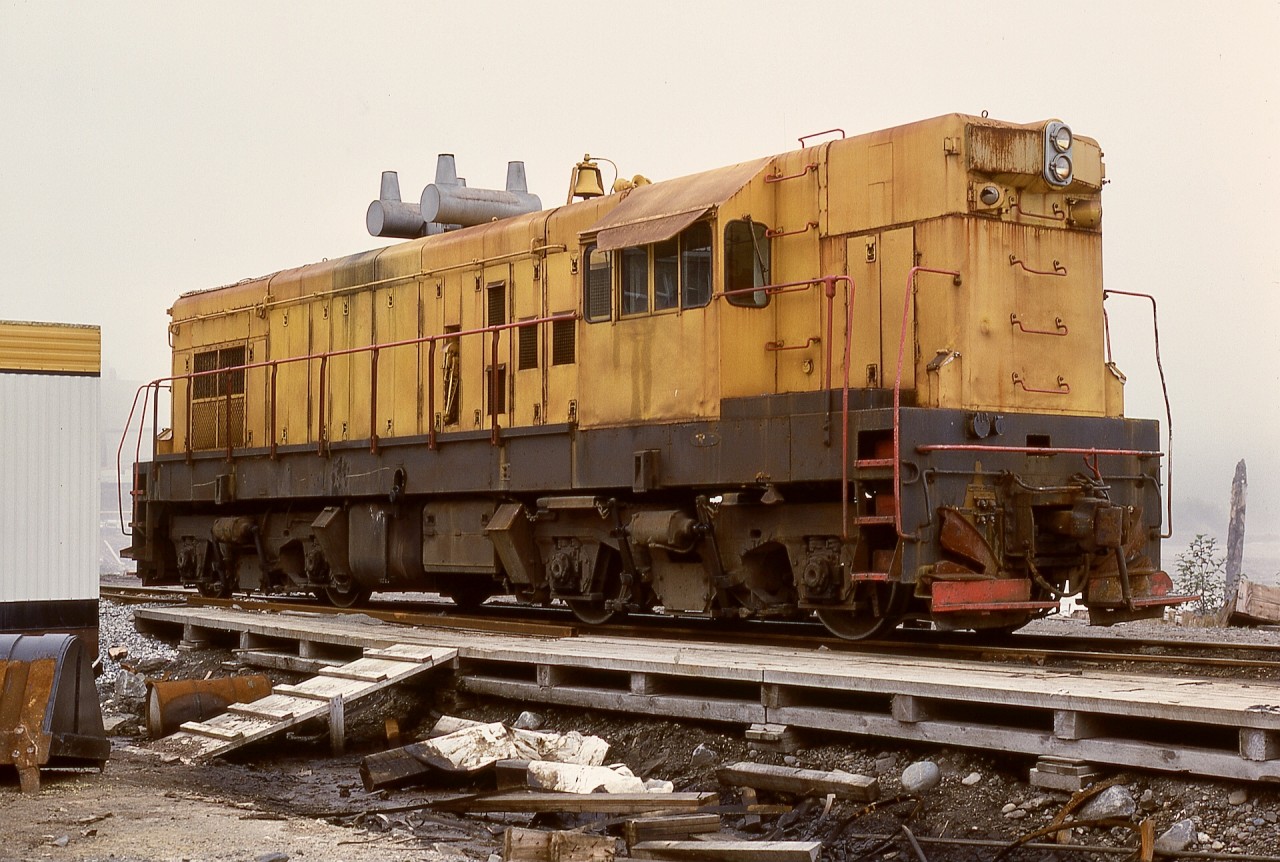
(1058, 144)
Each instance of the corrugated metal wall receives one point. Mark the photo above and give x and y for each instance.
(49, 494)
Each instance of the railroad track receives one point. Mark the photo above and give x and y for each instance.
(1217, 657)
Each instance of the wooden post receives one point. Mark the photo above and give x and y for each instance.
(1235, 541)
(337, 724)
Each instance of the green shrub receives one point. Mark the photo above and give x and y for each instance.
(1201, 571)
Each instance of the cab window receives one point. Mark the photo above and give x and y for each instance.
(597, 286)
(635, 281)
(746, 263)
(695, 265)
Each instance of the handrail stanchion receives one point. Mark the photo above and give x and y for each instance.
(897, 390)
(1164, 389)
(431, 394)
(274, 367)
(373, 401)
(493, 392)
(320, 426)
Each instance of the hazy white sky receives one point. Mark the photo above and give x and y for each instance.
(153, 148)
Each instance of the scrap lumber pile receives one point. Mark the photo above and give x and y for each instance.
(564, 775)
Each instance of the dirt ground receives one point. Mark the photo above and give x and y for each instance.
(292, 800)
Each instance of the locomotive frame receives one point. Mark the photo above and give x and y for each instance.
(678, 396)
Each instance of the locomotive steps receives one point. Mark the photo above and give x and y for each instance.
(1213, 727)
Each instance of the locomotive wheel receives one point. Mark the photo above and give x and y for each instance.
(596, 612)
(470, 597)
(875, 614)
(218, 589)
(347, 595)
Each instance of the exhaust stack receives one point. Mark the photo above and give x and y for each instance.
(447, 204)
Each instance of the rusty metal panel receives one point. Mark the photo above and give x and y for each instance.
(695, 193)
(49, 712)
(1005, 150)
(646, 231)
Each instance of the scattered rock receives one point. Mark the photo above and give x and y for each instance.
(1202, 837)
(61, 841)
(1115, 801)
(921, 776)
(1016, 814)
(791, 760)
(1009, 806)
(1176, 837)
(971, 779)
(1239, 796)
(130, 686)
(703, 756)
(1147, 802)
(272, 857)
(528, 721)
(115, 653)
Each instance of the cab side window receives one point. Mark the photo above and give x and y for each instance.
(746, 263)
(695, 265)
(635, 281)
(597, 284)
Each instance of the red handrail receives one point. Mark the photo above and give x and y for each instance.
(897, 390)
(144, 390)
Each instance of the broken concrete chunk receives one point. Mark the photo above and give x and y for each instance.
(576, 778)
(571, 747)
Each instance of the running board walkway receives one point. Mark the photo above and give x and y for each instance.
(321, 696)
(1217, 727)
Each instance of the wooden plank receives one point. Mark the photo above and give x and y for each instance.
(201, 729)
(637, 829)
(730, 851)
(388, 769)
(677, 706)
(532, 802)
(1110, 750)
(251, 710)
(801, 782)
(289, 705)
(535, 845)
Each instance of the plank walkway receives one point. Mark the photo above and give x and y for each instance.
(1217, 727)
(324, 696)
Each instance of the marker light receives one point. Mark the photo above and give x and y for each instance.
(1061, 139)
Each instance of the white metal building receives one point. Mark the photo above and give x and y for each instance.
(49, 495)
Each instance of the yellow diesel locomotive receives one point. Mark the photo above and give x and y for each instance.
(866, 380)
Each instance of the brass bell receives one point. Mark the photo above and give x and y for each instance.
(587, 181)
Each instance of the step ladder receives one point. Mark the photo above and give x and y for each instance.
(324, 695)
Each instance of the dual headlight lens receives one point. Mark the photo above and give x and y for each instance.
(1058, 142)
